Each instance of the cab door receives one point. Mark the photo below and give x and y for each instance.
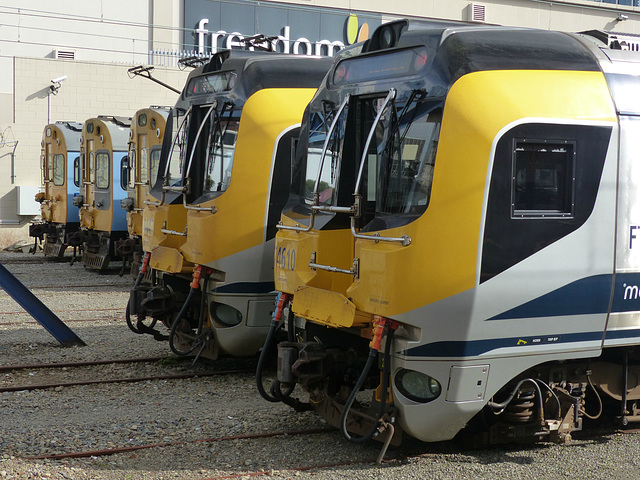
(624, 322)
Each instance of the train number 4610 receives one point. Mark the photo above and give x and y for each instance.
(286, 258)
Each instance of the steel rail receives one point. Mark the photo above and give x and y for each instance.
(182, 376)
(112, 451)
(88, 363)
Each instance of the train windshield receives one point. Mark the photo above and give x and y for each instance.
(382, 148)
(401, 158)
(179, 124)
(220, 139)
(323, 157)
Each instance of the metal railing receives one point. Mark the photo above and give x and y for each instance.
(170, 58)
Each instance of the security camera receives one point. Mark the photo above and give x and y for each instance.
(59, 79)
(622, 17)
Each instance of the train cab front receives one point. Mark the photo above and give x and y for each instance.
(59, 162)
(163, 277)
(236, 123)
(139, 170)
(103, 222)
(392, 255)
(333, 345)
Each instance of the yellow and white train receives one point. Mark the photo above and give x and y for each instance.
(223, 179)
(462, 236)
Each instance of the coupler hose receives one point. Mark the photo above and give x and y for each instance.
(194, 287)
(380, 324)
(276, 319)
(131, 306)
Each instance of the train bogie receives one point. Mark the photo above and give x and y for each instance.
(464, 207)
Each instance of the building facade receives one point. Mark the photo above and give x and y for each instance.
(89, 45)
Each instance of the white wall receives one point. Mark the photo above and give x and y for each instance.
(99, 30)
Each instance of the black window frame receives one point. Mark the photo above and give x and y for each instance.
(568, 182)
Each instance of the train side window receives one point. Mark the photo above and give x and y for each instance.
(543, 179)
(58, 169)
(102, 170)
(125, 172)
(76, 171)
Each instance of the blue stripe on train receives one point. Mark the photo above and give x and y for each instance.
(479, 347)
(587, 296)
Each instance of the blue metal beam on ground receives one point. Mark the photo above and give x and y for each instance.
(37, 309)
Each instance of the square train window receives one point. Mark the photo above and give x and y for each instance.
(543, 179)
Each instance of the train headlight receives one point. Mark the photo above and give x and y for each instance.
(417, 386)
(225, 315)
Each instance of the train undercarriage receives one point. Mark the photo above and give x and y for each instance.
(548, 403)
(56, 237)
(175, 301)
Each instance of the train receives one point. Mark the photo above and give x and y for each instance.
(223, 178)
(60, 152)
(459, 256)
(137, 169)
(102, 221)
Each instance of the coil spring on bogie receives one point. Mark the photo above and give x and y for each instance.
(521, 408)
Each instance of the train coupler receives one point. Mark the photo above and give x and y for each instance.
(306, 363)
(154, 301)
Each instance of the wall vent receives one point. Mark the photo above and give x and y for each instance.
(477, 12)
(64, 54)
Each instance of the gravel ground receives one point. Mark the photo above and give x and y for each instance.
(192, 415)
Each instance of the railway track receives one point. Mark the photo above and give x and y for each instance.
(16, 373)
(113, 451)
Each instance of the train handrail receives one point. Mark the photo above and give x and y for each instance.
(167, 231)
(197, 208)
(355, 267)
(405, 240)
